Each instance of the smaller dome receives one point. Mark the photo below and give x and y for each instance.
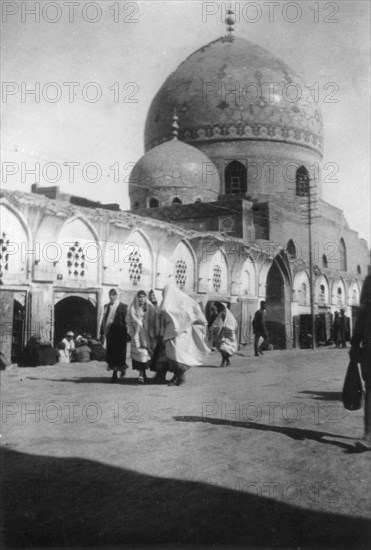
(173, 173)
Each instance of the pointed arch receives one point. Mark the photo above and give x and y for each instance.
(153, 203)
(322, 291)
(218, 277)
(291, 250)
(338, 292)
(248, 286)
(81, 253)
(15, 236)
(183, 261)
(342, 255)
(137, 262)
(301, 288)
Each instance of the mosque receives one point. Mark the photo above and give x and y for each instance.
(221, 204)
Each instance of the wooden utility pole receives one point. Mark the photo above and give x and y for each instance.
(311, 290)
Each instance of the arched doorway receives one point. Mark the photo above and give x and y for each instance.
(74, 313)
(278, 303)
(18, 331)
(235, 178)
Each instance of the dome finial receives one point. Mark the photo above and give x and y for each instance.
(230, 21)
(175, 125)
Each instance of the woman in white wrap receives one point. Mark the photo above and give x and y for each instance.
(224, 331)
(184, 331)
(143, 327)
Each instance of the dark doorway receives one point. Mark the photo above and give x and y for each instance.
(74, 313)
(18, 331)
(235, 178)
(278, 304)
(302, 182)
(12, 324)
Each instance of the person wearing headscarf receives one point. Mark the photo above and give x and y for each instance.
(159, 362)
(360, 351)
(224, 332)
(114, 331)
(143, 327)
(69, 343)
(152, 298)
(82, 353)
(184, 332)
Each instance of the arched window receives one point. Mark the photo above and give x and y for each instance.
(324, 261)
(302, 182)
(343, 255)
(235, 177)
(217, 277)
(181, 273)
(303, 295)
(136, 205)
(76, 261)
(153, 203)
(291, 250)
(176, 201)
(339, 296)
(359, 271)
(322, 294)
(135, 267)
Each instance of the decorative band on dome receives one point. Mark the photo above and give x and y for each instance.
(246, 132)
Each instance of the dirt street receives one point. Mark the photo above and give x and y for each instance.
(261, 453)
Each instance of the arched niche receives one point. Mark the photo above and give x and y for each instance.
(321, 291)
(218, 274)
(353, 294)
(15, 247)
(136, 264)
(338, 293)
(342, 255)
(301, 288)
(184, 267)
(248, 287)
(81, 254)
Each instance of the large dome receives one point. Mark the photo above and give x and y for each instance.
(173, 170)
(235, 90)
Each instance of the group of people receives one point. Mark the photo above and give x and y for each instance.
(83, 349)
(165, 338)
(171, 337)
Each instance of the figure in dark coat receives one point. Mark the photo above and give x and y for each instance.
(344, 328)
(113, 328)
(360, 351)
(260, 329)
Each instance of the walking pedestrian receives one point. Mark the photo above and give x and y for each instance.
(224, 332)
(114, 331)
(260, 329)
(360, 351)
(143, 327)
(184, 333)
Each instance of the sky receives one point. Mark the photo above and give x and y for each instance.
(99, 64)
